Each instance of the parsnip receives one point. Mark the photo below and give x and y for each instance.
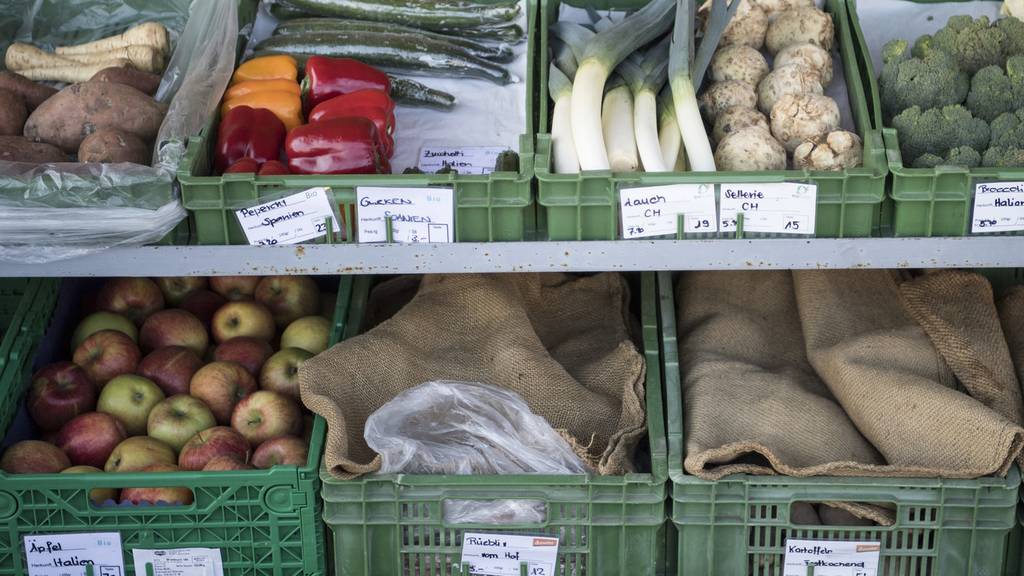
(145, 58)
(22, 56)
(151, 34)
(72, 74)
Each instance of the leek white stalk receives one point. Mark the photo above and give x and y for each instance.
(670, 143)
(562, 147)
(604, 52)
(617, 129)
(645, 81)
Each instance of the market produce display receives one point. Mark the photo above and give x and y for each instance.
(956, 97)
(650, 117)
(177, 374)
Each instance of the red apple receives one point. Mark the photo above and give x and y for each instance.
(107, 354)
(137, 452)
(281, 371)
(225, 463)
(97, 495)
(130, 398)
(264, 414)
(211, 443)
(203, 304)
(245, 318)
(171, 368)
(136, 298)
(33, 457)
(310, 333)
(174, 328)
(59, 392)
(171, 495)
(251, 353)
(221, 385)
(289, 297)
(281, 451)
(90, 438)
(235, 287)
(179, 418)
(97, 321)
(176, 288)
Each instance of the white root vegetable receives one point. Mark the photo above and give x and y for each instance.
(750, 149)
(73, 74)
(721, 96)
(617, 128)
(797, 118)
(738, 62)
(773, 7)
(809, 55)
(800, 25)
(788, 79)
(735, 119)
(145, 58)
(21, 56)
(747, 27)
(151, 34)
(837, 151)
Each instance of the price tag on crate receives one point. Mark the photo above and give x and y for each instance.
(781, 208)
(654, 210)
(831, 558)
(69, 554)
(463, 159)
(998, 207)
(416, 214)
(290, 220)
(502, 554)
(179, 562)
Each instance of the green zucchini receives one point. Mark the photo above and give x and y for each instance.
(283, 13)
(412, 93)
(495, 53)
(504, 33)
(396, 52)
(428, 14)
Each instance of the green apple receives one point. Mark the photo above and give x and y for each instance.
(179, 418)
(281, 372)
(103, 321)
(311, 334)
(130, 398)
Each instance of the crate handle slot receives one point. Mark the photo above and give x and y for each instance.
(518, 512)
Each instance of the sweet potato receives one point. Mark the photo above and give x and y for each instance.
(33, 93)
(12, 113)
(141, 81)
(112, 146)
(81, 109)
(21, 149)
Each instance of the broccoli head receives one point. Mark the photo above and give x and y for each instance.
(973, 43)
(960, 156)
(1014, 30)
(994, 91)
(937, 130)
(1001, 157)
(1008, 130)
(928, 81)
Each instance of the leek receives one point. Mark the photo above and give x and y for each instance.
(617, 127)
(645, 81)
(603, 54)
(669, 139)
(564, 59)
(562, 147)
(686, 74)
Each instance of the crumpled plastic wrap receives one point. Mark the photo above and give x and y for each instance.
(55, 211)
(463, 428)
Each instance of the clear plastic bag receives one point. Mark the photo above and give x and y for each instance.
(445, 427)
(55, 211)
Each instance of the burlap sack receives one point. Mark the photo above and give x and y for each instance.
(892, 382)
(558, 341)
(752, 403)
(1011, 317)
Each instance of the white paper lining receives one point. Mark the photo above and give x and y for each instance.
(836, 90)
(485, 113)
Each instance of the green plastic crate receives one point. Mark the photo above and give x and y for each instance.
(392, 524)
(739, 524)
(926, 201)
(24, 305)
(585, 206)
(265, 522)
(494, 207)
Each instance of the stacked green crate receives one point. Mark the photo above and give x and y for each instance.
(393, 524)
(585, 206)
(264, 522)
(739, 524)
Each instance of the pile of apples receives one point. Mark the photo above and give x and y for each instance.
(182, 373)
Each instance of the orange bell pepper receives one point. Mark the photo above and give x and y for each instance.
(287, 106)
(252, 86)
(278, 67)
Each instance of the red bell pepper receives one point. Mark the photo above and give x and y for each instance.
(374, 105)
(338, 146)
(273, 168)
(243, 166)
(248, 133)
(329, 77)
